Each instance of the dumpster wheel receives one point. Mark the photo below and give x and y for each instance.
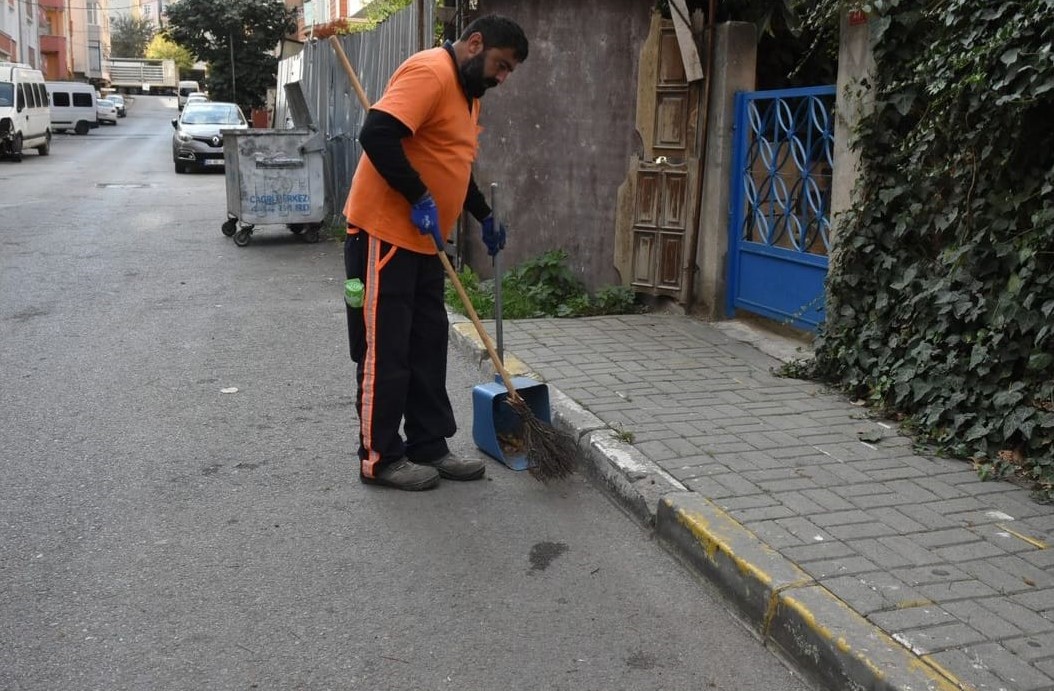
(229, 227)
(296, 228)
(243, 236)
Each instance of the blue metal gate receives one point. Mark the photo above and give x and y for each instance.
(780, 204)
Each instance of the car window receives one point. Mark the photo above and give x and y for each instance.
(7, 93)
(212, 115)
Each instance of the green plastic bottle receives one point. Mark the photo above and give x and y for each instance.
(353, 293)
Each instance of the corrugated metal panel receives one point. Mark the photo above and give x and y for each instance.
(375, 55)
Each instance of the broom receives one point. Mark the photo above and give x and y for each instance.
(550, 453)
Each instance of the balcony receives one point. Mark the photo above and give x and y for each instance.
(53, 44)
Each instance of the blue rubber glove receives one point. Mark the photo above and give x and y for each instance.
(493, 238)
(425, 216)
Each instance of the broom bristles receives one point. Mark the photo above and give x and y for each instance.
(550, 452)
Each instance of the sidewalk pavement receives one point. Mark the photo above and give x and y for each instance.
(872, 566)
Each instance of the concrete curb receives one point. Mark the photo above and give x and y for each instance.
(826, 638)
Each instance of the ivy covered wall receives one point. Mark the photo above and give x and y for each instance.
(941, 294)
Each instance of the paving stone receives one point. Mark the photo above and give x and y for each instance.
(956, 590)
(1037, 600)
(922, 616)
(835, 518)
(877, 501)
(762, 513)
(879, 553)
(773, 534)
(829, 500)
(1047, 667)
(899, 473)
(925, 575)
(818, 551)
(926, 516)
(897, 519)
(942, 637)
(1009, 575)
(843, 566)
(945, 538)
(991, 625)
(848, 475)
(1028, 621)
(1008, 670)
(739, 485)
(969, 551)
(859, 531)
(1004, 540)
(1032, 647)
(872, 592)
(910, 550)
(804, 530)
(742, 499)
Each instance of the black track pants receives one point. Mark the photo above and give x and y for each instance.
(399, 344)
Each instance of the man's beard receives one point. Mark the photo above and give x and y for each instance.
(472, 76)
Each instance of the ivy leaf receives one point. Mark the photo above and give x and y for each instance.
(1017, 421)
(1040, 361)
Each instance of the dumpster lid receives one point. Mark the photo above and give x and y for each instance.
(294, 97)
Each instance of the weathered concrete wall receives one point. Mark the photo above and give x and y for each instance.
(558, 133)
(735, 69)
(856, 65)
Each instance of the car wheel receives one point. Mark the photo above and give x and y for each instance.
(45, 148)
(16, 147)
(82, 127)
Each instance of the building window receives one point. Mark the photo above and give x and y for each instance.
(93, 12)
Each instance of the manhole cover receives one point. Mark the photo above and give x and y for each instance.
(124, 185)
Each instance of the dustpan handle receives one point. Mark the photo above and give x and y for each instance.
(499, 336)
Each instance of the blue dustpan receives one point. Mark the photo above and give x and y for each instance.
(496, 428)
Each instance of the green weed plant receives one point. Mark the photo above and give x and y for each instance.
(540, 287)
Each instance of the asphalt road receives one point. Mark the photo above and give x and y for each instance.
(157, 533)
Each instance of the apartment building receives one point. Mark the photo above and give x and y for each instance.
(20, 31)
(90, 39)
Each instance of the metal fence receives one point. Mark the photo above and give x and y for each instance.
(330, 97)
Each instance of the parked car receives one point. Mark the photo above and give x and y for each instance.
(195, 96)
(106, 111)
(72, 106)
(118, 102)
(198, 139)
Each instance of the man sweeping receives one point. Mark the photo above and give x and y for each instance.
(414, 178)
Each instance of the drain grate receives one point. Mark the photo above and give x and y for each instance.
(124, 185)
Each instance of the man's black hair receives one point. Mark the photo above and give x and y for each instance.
(499, 32)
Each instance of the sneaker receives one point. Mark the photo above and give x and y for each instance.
(404, 475)
(454, 467)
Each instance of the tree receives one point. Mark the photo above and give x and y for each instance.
(161, 48)
(129, 36)
(236, 38)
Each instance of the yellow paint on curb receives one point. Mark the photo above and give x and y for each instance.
(942, 679)
(699, 526)
(708, 536)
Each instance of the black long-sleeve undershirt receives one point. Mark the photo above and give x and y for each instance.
(381, 139)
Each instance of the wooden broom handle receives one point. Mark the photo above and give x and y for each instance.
(451, 274)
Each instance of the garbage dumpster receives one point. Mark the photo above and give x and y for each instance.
(274, 177)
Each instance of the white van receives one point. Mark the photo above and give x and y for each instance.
(186, 88)
(72, 106)
(25, 121)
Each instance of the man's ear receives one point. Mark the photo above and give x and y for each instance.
(475, 44)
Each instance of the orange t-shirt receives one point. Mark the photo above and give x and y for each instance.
(425, 95)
